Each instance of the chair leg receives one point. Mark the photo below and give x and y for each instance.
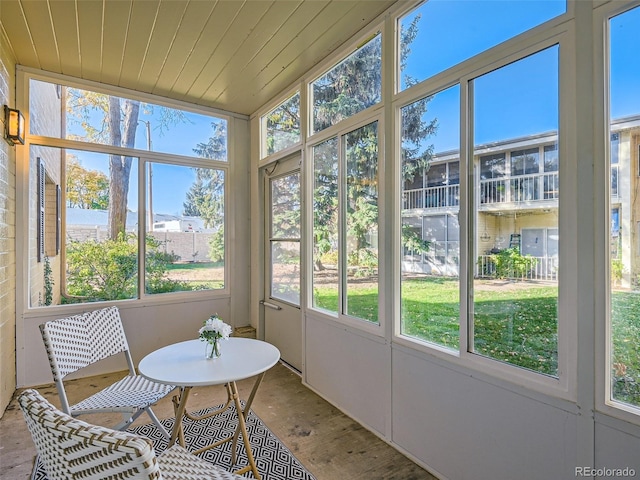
(157, 423)
(127, 419)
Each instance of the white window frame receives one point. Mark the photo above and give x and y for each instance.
(608, 411)
(339, 130)
(24, 75)
(555, 32)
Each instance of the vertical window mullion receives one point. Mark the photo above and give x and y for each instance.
(469, 199)
(40, 212)
(342, 227)
(142, 222)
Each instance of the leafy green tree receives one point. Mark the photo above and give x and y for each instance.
(104, 270)
(205, 198)
(87, 189)
(216, 245)
(325, 199)
(116, 125)
(285, 207)
(283, 125)
(111, 120)
(412, 240)
(353, 85)
(416, 151)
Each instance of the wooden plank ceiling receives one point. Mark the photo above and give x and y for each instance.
(230, 54)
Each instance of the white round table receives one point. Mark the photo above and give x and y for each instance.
(184, 365)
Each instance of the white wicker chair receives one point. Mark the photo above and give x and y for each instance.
(75, 342)
(70, 448)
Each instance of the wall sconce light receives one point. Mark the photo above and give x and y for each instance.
(13, 126)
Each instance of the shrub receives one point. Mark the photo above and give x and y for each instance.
(108, 270)
(510, 263)
(616, 270)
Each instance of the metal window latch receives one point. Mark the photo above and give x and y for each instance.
(270, 305)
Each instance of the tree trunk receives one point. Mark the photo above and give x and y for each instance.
(119, 166)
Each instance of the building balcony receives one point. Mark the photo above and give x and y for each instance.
(540, 190)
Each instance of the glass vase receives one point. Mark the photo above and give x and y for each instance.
(212, 349)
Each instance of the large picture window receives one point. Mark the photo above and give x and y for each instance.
(345, 224)
(429, 225)
(515, 289)
(623, 186)
(102, 237)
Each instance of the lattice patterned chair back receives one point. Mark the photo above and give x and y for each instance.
(78, 341)
(70, 448)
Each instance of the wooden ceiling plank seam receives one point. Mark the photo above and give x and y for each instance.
(261, 46)
(286, 38)
(149, 40)
(186, 39)
(126, 42)
(90, 21)
(206, 47)
(17, 33)
(114, 35)
(293, 19)
(264, 79)
(137, 41)
(53, 33)
(279, 44)
(39, 23)
(318, 53)
(262, 35)
(219, 64)
(65, 29)
(163, 40)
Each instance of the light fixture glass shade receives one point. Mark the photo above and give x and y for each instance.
(13, 126)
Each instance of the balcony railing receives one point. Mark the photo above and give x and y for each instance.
(520, 189)
(544, 268)
(432, 197)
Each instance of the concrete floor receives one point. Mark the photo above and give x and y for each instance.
(328, 443)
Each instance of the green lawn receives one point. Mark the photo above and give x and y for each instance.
(625, 324)
(513, 325)
(198, 275)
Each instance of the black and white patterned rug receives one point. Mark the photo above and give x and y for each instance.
(274, 460)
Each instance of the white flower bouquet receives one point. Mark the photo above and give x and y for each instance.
(212, 331)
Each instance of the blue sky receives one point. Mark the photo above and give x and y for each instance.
(625, 65)
(519, 99)
(170, 183)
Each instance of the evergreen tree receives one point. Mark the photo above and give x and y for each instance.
(205, 198)
(352, 86)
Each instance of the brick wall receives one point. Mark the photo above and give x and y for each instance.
(7, 239)
(44, 117)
